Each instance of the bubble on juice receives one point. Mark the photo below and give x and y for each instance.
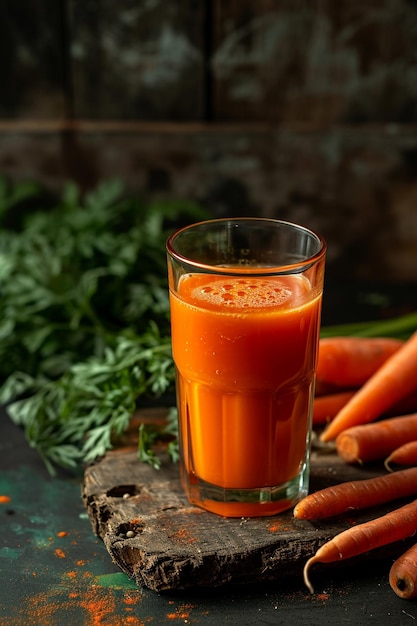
(243, 293)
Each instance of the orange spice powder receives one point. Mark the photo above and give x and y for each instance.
(183, 536)
(182, 612)
(97, 604)
(60, 553)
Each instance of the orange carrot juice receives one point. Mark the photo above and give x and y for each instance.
(245, 351)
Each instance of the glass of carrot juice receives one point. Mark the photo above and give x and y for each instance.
(245, 302)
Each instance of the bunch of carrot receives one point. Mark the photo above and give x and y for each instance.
(371, 414)
(374, 378)
(397, 525)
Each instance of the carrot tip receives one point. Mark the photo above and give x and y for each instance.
(324, 437)
(305, 574)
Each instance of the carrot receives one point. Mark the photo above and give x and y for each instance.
(403, 574)
(349, 361)
(394, 526)
(403, 455)
(394, 380)
(327, 406)
(357, 494)
(375, 441)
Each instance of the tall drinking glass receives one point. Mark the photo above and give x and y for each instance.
(245, 298)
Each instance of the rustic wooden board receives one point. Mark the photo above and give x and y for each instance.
(155, 536)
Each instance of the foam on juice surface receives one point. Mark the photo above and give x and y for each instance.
(239, 293)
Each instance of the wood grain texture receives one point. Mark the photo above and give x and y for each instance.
(321, 62)
(154, 535)
(137, 60)
(300, 61)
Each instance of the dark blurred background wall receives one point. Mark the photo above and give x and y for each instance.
(296, 109)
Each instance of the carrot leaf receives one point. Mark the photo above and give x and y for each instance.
(400, 327)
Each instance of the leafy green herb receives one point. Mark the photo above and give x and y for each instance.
(79, 416)
(84, 314)
(149, 435)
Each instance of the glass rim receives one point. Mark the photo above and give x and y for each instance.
(254, 270)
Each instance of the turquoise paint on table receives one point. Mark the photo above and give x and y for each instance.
(52, 565)
(55, 571)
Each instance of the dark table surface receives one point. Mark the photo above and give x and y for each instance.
(54, 570)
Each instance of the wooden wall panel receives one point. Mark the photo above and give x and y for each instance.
(299, 109)
(310, 61)
(318, 62)
(137, 60)
(358, 187)
(32, 67)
